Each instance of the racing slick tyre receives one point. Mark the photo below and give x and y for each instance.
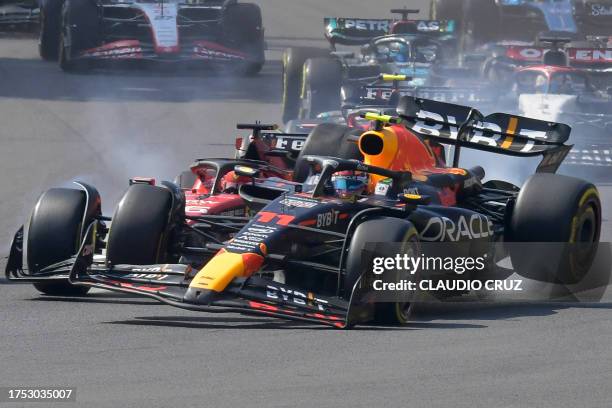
(293, 66)
(242, 25)
(185, 180)
(380, 230)
(551, 208)
(54, 235)
(320, 87)
(138, 233)
(327, 139)
(79, 32)
(50, 19)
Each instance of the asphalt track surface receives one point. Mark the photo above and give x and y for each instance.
(122, 351)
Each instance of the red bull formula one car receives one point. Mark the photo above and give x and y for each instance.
(304, 255)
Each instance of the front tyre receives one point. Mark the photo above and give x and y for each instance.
(54, 235)
(293, 65)
(79, 32)
(139, 232)
(380, 230)
(320, 87)
(50, 29)
(243, 28)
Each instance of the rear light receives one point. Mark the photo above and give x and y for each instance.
(142, 180)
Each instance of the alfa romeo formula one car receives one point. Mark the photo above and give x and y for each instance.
(211, 33)
(304, 255)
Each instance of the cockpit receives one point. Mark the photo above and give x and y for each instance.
(402, 50)
(570, 83)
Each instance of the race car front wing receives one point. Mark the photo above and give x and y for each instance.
(168, 283)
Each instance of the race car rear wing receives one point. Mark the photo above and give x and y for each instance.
(358, 31)
(501, 133)
(583, 57)
(387, 88)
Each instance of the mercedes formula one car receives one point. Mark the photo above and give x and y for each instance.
(207, 33)
(318, 80)
(18, 14)
(303, 255)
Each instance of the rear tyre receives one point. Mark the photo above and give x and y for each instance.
(139, 230)
(54, 235)
(50, 28)
(327, 139)
(243, 28)
(556, 209)
(293, 65)
(79, 32)
(380, 230)
(320, 87)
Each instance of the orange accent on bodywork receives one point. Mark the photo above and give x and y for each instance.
(263, 248)
(511, 130)
(284, 219)
(405, 151)
(224, 267)
(265, 216)
(402, 151)
(308, 222)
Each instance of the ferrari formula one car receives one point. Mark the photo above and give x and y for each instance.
(18, 14)
(211, 33)
(208, 190)
(317, 80)
(302, 255)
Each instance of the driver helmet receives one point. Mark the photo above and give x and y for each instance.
(349, 183)
(562, 84)
(540, 84)
(230, 183)
(398, 52)
(206, 179)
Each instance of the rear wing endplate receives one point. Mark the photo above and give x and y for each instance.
(501, 133)
(358, 31)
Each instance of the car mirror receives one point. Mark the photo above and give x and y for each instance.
(246, 171)
(414, 199)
